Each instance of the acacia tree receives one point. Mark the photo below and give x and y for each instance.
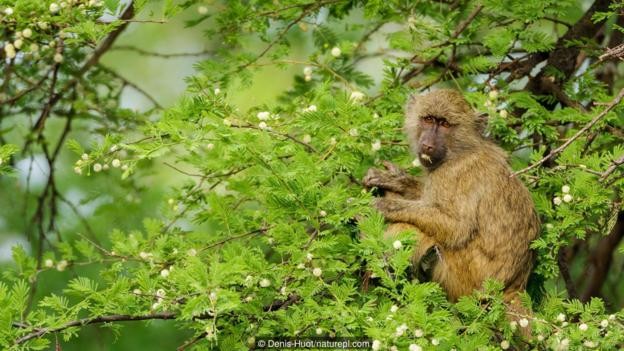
(270, 231)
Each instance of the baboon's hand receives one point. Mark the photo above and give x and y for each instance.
(391, 207)
(393, 179)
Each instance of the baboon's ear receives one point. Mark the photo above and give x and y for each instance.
(481, 122)
(412, 103)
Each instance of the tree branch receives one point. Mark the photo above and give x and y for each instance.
(588, 126)
(94, 320)
(93, 60)
(601, 258)
(144, 52)
(615, 164)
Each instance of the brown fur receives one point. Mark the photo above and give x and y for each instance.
(480, 217)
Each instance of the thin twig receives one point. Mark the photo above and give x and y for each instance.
(588, 126)
(144, 52)
(93, 320)
(615, 164)
(133, 85)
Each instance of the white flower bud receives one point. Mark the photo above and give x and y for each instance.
(311, 108)
(210, 146)
(557, 200)
(116, 163)
(416, 162)
(48, 263)
(265, 283)
(10, 54)
(353, 132)
(376, 346)
(565, 189)
(611, 317)
(435, 342)
(549, 226)
(399, 332)
(307, 71)
(356, 96)
(8, 11)
(333, 141)
(61, 265)
(9, 50)
(317, 272)
(397, 245)
(144, 255)
(589, 344)
(582, 327)
(336, 52)
(322, 213)
(42, 25)
(307, 138)
(164, 273)
(540, 337)
(493, 94)
(309, 256)
(503, 113)
(319, 331)
(263, 115)
(161, 293)
(18, 43)
(504, 344)
(27, 33)
(136, 291)
(213, 296)
(202, 10)
(414, 347)
(77, 170)
(561, 317)
(58, 58)
(523, 322)
(513, 325)
(419, 333)
(262, 125)
(54, 7)
(604, 323)
(97, 167)
(124, 167)
(394, 308)
(567, 198)
(376, 146)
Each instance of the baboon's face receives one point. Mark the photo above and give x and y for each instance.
(432, 144)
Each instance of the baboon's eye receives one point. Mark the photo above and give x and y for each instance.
(428, 119)
(444, 123)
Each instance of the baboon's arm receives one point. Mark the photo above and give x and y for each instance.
(448, 227)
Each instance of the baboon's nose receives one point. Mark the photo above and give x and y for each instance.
(427, 148)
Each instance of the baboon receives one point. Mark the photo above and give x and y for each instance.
(468, 207)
